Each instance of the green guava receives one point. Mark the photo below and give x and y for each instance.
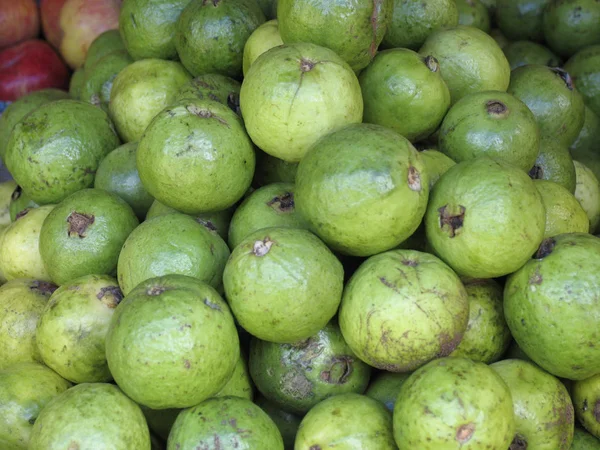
(171, 244)
(105, 43)
(385, 387)
(7, 188)
(351, 28)
(587, 192)
(148, 27)
(583, 440)
(485, 218)
(552, 98)
(521, 19)
(316, 93)
(21, 107)
(72, 329)
(554, 163)
(268, 206)
(90, 415)
(414, 20)
(273, 170)
(212, 86)
(558, 289)
(470, 60)
(172, 342)
(55, 150)
(499, 37)
(543, 410)
(20, 202)
(117, 173)
(584, 67)
(346, 422)
(403, 308)
(240, 383)
(405, 92)
(20, 256)
(195, 156)
(571, 25)
(454, 403)
(76, 83)
(586, 399)
(100, 77)
(140, 91)
(264, 38)
(25, 389)
(436, 164)
(586, 143)
(363, 189)
(564, 213)
(493, 124)
(487, 335)
(211, 35)
(286, 422)
(522, 53)
(283, 284)
(84, 234)
(22, 302)
(474, 13)
(224, 422)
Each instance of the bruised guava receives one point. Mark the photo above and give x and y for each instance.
(283, 284)
(586, 398)
(584, 67)
(522, 53)
(587, 192)
(224, 422)
(105, 43)
(582, 440)
(403, 308)
(286, 422)
(19, 202)
(543, 409)
(474, 13)
(436, 164)
(212, 86)
(564, 213)
(385, 387)
(264, 38)
(454, 403)
(554, 163)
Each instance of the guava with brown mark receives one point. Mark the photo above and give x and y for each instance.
(586, 398)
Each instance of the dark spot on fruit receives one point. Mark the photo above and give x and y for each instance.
(522, 321)
(389, 284)
(597, 411)
(283, 203)
(114, 293)
(233, 101)
(564, 75)
(536, 172)
(187, 363)
(431, 63)
(496, 108)
(16, 193)
(410, 262)
(448, 344)
(207, 223)
(315, 447)
(465, 432)
(214, 2)
(536, 278)
(78, 224)
(212, 305)
(518, 443)
(43, 287)
(339, 371)
(22, 213)
(261, 248)
(451, 222)
(546, 247)
(414, 179)
(156, 290)
(306, 65)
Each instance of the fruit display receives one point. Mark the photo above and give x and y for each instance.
(300, 225)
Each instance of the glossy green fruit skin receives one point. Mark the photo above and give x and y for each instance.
(571, 25)
(436, 164)
(106, 42)
(522, 53)
(76, 84)
(264, 38)
(584, 67)
(564, 213)
(554, 163)
(212, 86)
(521, 19)
(240, 384)
(385, 387)
(474, 13)
(99, 79)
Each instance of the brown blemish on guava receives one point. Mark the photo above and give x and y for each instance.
(211, 305)
(410, 262)
(431, 63)
(113, 296)
(296, 385)
(283, 203)
(496, 108)
(22, 213)
(43, 287)
(374, 21)
(79, 223)
(73, 446)
(414, 179)
(315, 447)
(597, 410)
(536, 278)
(306, 65)
(465, 432)
(536, 172)
(564, 75)
(214, 2)
(450, 222)
(389, 284)
(156, 290)
(261, 248)
(518, 443)
(233, 101)
(187, 363)
(546, 247)
(339, 371)
(448, 344)
(205, 114)
(207, 223)
(16, 193)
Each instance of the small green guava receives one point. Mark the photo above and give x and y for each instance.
(107, 42)
(587, 192)
(586, 399)
(436, 164)
(554, 163)
(584, 67)
(522, 53)
(19, 203)
(212, 86)
(564, 213)
(286, 422)
(521, 19)
(473, 13)
(385, 387)
(76, 83)
(264, 38)
(99, 78)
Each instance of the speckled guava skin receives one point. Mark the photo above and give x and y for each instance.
(84, 234)
(72, 328)
(587, 192)
(385, 387)
(19, 202)
(171, 244)
(558, 289)
(584, 67)
(544, 414)
(521, 19)
(22, 302)
(286, 422)
(212, 86)
(564, 213)
(264, 38)
(522, 53)
(454, 403)
(91, 415)
(172, 342)
(586, 399)
(346, 422)
(485, 218)
(55, 150)
(283, 284)
(436, 164)
(295, 94)
(107, 42)
(554, 163)
(99, 78)
(25, 388)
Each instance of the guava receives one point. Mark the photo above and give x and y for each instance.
(583, 440)
(283, 284)
(23, 106)
(385, 387)
(543, 409)
(586, 143)
(470, 60)
(210, 35)
(7, 188)
(212, 86)
(564, 213)
(55, 150)
(90, 415)
(522, 53)
(414, 20)
(286, 422)
(558, 289)
(454, 403)
(100, 77)
(240, 383)
(571, 25)
(552, 98)
(195, 156)
(148, 27)
(22, 302)
(224, 422)
(587, 192)
(188, 358)
(474, 13)
(171, 244)
(317, 93)
(584, 67)
(485, 218)
(405, 92)
(264, 38)
(84, 234)
(20, 256)
(105, 43)
(554, 163)
(76, 83)
(586, 399)
(499, 37)
(273, 170)
(346, 422)
(20, 202)
(25, 389)
(493, 124)
(436, 164)
(71, 331)
(521, 19)
(140, 91)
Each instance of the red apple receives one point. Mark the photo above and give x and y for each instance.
(19, 21)
(50, 12)
(30, 66)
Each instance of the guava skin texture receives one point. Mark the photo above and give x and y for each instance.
(172, 343)
(554, 163)
(521, 19)
(454, 403)
(195, 157)
(582, 440)
(55, 151)
(224, 422)
(522, 53)
(385, 387)
(558, 290)
(586, 398)
(295, 94)
(283, 284)
(212, 86)
(587, 192)
(544, 413)
(584, 67)
(403, 308)
(564, 213)
(436, 164)
(287, 423)
(262, 39)
(105, 43)
(77, 418)
(84, 234)
(485, 218)
(240, 383)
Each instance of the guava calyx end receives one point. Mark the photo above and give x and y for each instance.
(261, 248)
(156, 290)
(432, 63)
(16, 193)
(306, 65)
(451, 222)
(496, 108)
(43, 287)
(79, 223)
(545, 248)
(465, 432)
(566, 77)
(111, 296)
(518, 443)
(536, 172)
(414, 179)
(283, 203)
(339, 371)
